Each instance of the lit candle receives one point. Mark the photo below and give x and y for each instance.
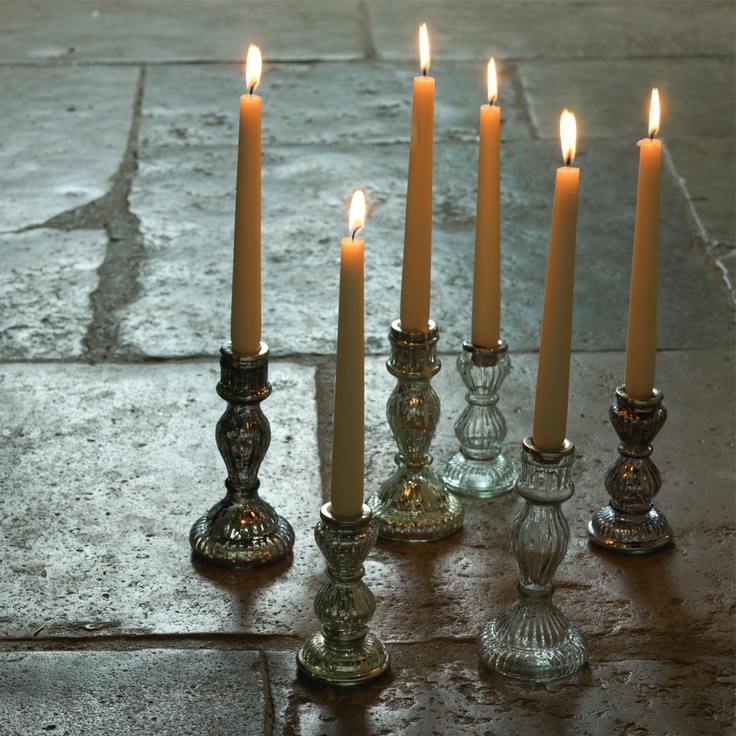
(245, 322)
(348, 429)
(641, 341)
(417, 266)
(553, 375)
(487, 269)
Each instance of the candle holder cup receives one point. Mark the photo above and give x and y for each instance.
(532, 639)
(630, 523)
(242, 530)
(479, 469)
(413, 505)
(344, 651)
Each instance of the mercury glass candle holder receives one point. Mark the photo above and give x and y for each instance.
(242, 530)
(630, 523)
(532, 639)
(479, 468)
(344, 651)
(413, 505)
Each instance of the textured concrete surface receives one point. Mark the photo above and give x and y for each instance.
(119, 126)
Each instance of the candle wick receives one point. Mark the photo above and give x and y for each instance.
(652, 134)
(355, 232)
(569, 160)
(493, 100)
(424, 72)
(252, 87)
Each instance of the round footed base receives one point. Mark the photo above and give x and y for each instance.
(629, 533)
(241, 535)
(516, 652)
(478, 478)
(415, 512)
(347, 664)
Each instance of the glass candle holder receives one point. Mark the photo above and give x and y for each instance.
(532, 639)
(242, 530)
(630, 523)
(413, 505)
(479, 469)
(344, 651)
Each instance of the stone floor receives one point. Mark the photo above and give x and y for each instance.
(117, 167)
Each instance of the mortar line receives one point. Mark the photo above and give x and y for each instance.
(117, 283)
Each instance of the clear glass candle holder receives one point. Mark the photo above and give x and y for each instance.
(532, 639)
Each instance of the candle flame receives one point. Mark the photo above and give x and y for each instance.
(568, 135)
(357, 212)
(654, 113)
(492, 84)
(424, 57)
(253, 65)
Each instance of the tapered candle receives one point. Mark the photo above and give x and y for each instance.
(417, 266)
(346, 494)
(486, 323)
(553, 375)
(245, 322)
(641, 341)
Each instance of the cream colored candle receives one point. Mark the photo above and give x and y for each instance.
(553, 375)
(346, 494)
(641, 341)
(417, 266)
(486, 321)
(245, 322)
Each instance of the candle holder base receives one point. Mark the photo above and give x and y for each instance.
(630, 523)
(344, 651)
(242, 530)
(532, 639)
(413, 505)
(479, 469)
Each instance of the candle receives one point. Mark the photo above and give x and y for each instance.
(348, 436)
(486, 324)
(245, 322)
(553, 375)
(641, 341)
(417, 266)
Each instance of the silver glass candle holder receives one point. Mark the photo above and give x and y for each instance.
(532, 639)
(630, 523)
(344, 651)
(479, 468)
(242, 530)
(413, 505)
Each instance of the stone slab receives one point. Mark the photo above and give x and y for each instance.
(45, 285)
(64, 137)
(164, 30)
(546, 30)
(624, 605)
(165, 691)
(184, 198)
(441, 689)
(105, 469)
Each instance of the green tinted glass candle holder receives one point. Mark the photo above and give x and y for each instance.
(480, 469)
(242, 530)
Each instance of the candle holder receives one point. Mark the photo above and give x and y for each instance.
(479, 468)
(413, 505)
(242, 530)
(344, 651)
(532, 639)
(630, 523)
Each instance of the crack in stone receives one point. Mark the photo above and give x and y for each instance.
(268, 707)
(365, 30)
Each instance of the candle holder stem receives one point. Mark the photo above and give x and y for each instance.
(479, 469)
(630, 523)
(344, 651)
(413, 505)
(532, 639)
(242, 530)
